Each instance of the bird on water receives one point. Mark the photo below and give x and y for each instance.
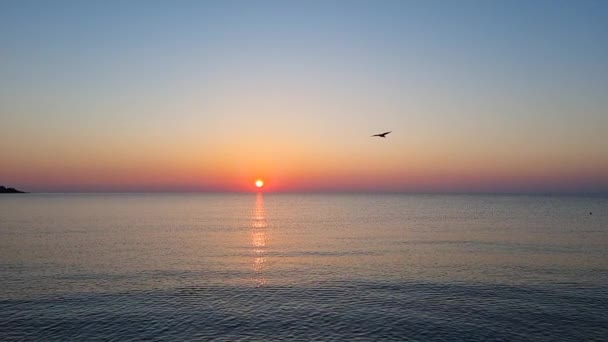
(381, 135)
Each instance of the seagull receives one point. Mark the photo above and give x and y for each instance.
(381, 135)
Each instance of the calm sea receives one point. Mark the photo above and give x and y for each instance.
(177, 267)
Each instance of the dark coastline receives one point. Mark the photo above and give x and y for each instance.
(5, 190)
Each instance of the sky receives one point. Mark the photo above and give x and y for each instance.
(481, 96)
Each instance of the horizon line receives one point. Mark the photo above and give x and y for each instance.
(336, 192)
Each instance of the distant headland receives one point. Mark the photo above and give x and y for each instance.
(4, 190)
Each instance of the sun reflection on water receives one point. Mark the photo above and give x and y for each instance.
(258, 239)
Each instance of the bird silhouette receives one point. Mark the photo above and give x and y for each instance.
(381, 135)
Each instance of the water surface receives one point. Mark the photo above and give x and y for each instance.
(303, 267)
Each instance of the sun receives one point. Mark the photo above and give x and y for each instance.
(259, 183)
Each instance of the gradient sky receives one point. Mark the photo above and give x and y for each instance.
(198, 95)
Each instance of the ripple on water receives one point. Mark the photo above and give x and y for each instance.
(326, 311)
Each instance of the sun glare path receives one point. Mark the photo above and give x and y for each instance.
(259, 183)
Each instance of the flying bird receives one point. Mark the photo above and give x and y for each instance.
(381, 135)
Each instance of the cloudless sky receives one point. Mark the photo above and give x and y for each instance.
(200, 95)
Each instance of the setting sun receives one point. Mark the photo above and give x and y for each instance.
(259, 183)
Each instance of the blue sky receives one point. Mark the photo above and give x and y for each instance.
(502, 90)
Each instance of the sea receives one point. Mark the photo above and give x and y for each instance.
(303, 267)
